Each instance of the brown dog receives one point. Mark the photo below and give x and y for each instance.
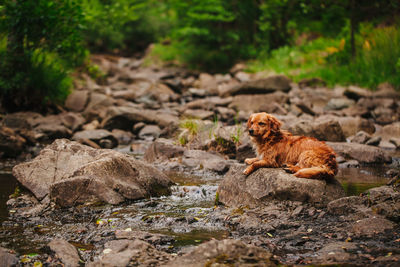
(306, 157)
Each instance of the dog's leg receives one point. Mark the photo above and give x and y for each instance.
(258, 164)
(289, 168)
(250, 161)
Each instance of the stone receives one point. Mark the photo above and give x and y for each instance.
(150, 132)
(256, 103)
(312, 82)
(123, 137)
(386, 90)
(352, 125)
(152, 238)
(71, 120)
(385, 200)
(339, 103)
(122, 252)
(99, 173)
(371, 226)
(361, 153)
(261, 86)
(222, 253)
(273, 183)
(96, 136)
(7, 259)
(65, 251)
(209, 103)
(389, 131)
(198, 114)
(124, 117)
(374, 141)
(77, 100)
(206, 160)
(11, 144)
(355, 93)
(347, 205)
(21, 120)
(162, 150)
(361, 138)
(322, 129)
(208, 82)
(350, 164)
(97, 106)
(336, 253)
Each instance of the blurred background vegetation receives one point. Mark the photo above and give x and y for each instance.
(341, 41)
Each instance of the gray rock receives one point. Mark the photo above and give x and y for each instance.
(152, 238)
(150, 132)
(123, 137)
(7, 259)
(339, 103)
(361, 153)
(355, 93)
(385, 200)
(77, 100)
(96, 136)
(336, 253)
(350, 164)
(11, 143)
(374, 141)
(272, 183)
(261, 86)
(209, 103)
(65, 251)
(371, 226)
(361, 138)
(326, 130)
(122, 252)
(198, 114)
(220, 252)
(352, 125)
(347, 205)
(73, 121)
(257, 103)
(163, 150)
(105, 175)
(206, 160)
(124, 117)
(97, 106)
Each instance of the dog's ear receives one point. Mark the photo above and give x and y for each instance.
(275, 124)
(249, 121)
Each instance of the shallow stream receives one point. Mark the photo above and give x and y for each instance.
(181, 216)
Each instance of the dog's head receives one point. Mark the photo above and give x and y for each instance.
(262, 123)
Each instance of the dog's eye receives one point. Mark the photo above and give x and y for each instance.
(261, 123)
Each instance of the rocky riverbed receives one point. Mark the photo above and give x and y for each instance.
(143, 167)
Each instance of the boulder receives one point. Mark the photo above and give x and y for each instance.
(336, 253)
(72, 174)
(66, 252)
(98, 136)
(385, 200)
(272, 183)
(326, 130)
(11, 144)
(208, 161)
(198, 114)
(257, 103)
(122, 252)
(224, 252)
(77, 100)
(162, 150)
(260, 86)
(97, 105)
(352, 125)
(361, 138)
(71, 120)
(347, 205)
(355, 93)
(123, 137)
(150, 132)
(339, 103)
(7, 259)
(125, 117)
(371, 226)
(209, 103)
(362, 153)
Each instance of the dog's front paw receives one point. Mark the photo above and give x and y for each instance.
(248, 170)
(250, 161)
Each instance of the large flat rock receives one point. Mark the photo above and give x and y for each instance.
(72, 173)
(272, 183)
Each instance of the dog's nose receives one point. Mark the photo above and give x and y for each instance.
(251, 131)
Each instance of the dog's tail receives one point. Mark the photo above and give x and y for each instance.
(321, 172)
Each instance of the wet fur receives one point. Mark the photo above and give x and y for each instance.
(305, 157)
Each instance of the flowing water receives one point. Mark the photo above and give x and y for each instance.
(192, 198)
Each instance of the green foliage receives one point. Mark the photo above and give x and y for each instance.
(124, 25)
(191, 125)
(41, 42)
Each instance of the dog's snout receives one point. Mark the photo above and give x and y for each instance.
(251, 131)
